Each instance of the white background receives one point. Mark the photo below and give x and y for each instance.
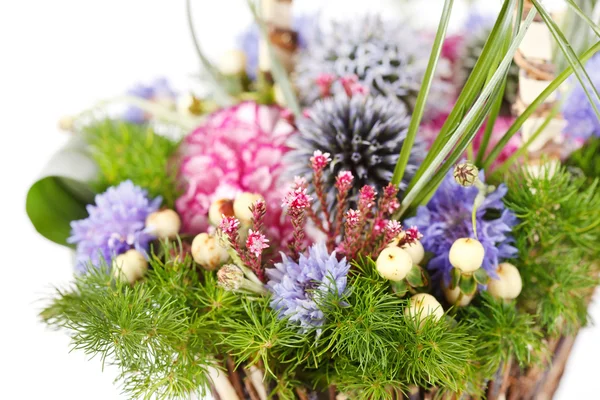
(59, 57)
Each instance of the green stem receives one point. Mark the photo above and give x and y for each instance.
(555, 84)
(415, 121)
(221, 95)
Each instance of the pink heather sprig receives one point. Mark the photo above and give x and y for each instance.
(343, 184)
(318, 162)
(230, 226)
(324, 81)
(297, 202)
(255, 244)
(348, 82)
(352, 218)
(259, 210)
(411, 235)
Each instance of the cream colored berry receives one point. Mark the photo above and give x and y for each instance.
(232, 62)
(218, 208)
(424, 305)
(452, 296)
(242, 204)
(416, 251)
(394, 263)
(467, 254)
(208, 252)
(509, 284)
(130, 266)
(164, 224)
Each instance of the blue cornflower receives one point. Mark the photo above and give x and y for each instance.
(299, 287)
(577, 110)
(159, 91)
(116, 223)
(447, 217)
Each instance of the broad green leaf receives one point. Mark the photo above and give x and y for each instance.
(455, 277)
(468, 285)
(481, 276)
(62, 193)
(415, 277)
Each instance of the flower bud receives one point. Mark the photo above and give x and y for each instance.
(130, 266)
(164, 224)
(415, 250)
(466, 254)
(230, 277)
(242, 206)
(466, 174)
(394, 263)
(218, 208)
(232, 62)
(452, 296)
(424, 305)
(509, 283)
(207, 251)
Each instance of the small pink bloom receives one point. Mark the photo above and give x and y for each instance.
(390, 191)
(352, 217)
(366, 198)
(343, 182)
(229, 225)
(380, 225)
(297, 199)
(324, 82)
(393, 228)
(358, 89)
(319, 160)
(412, 234)
(256, 242)
(299, 182)
(393, 206)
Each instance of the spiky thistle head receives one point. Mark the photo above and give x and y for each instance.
(363, 135)
(388, 59)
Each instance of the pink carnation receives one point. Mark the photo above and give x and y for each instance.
(237, 149)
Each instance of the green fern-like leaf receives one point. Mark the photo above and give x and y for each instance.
(125, 151)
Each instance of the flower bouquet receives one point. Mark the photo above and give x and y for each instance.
(355, 210)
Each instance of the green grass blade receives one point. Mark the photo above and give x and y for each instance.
(419, 109)
(584, 16)
(473, 86)
(555, 84)
(580, 72)
(469, 122)
(220, 94)
(279, 73)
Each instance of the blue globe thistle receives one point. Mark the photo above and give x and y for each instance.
(299, 288)
(116, 223)
(447, 217)
(577, 110)
(363, 135)
(388, 58)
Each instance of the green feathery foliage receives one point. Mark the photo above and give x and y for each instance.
(557, 238)
(161, 333)
(503, 333)
(124, 151)
(587, 158)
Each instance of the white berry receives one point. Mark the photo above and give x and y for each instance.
(164, 224)
(207, 251)
(424, 305)
(394, 263)
(467, 254)
(218, 208)
(509, 284)
(416, 251)
(232, 62)
(453, 294)
(242, 204)
(130, 266)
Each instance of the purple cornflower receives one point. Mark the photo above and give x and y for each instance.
(447, 217)
(577, 110)
(158, 91)
(300, 287)
(116, 223)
